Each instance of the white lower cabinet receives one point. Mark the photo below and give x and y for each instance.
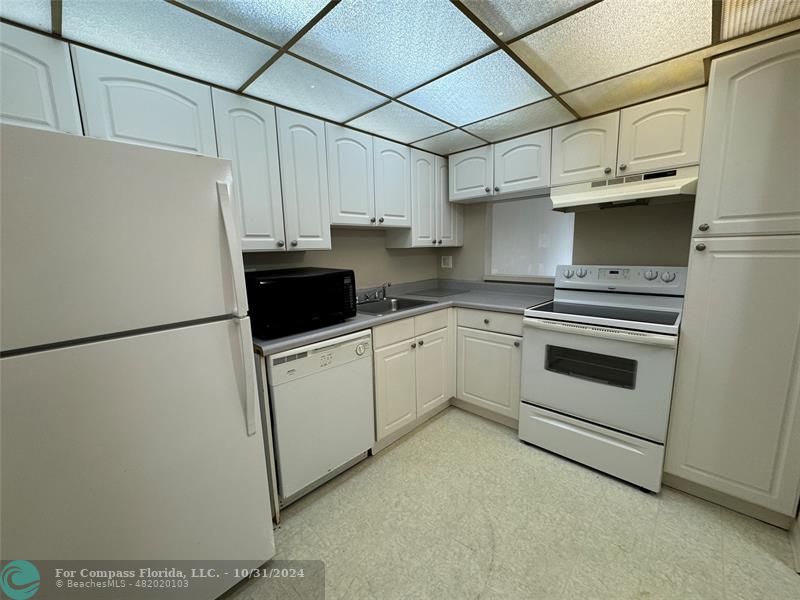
(434, 363)
(395, 388)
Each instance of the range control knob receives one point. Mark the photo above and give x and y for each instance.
(581, 273)
(650, 274)
(568, 273)
(666, 277)
(360, 349)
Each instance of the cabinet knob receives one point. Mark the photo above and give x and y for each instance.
(280, 244)
(380, 220)
(497, 188)
(703, 227)
(487, 189)
(294, 242)
(434, 242)
(623, 166)
(700, 247)
(440, 241)
(486, 321)
(414, 345)
(607, 170)
(516, 344)
(421, 342)
(372, 219)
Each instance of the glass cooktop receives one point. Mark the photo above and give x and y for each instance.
(621, 313)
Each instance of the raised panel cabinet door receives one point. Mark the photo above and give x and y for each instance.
(351, 177)
(434, 362)
(126, 102)
(423, 199)
(735, 419)
(488, 371)
(395, 387)
(661, 134)
(749, 176)
(247, 135)
(449, 216)
(304, 180)
(37, 88)
(392, 183)
(471, 174)
(585, 150)
(522, 164)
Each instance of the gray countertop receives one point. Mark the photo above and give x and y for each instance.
(500, 297)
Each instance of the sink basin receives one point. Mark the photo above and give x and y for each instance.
(390, 305)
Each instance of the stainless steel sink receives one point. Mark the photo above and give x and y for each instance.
(390, 305)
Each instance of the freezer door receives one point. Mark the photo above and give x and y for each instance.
(135, 448)
(100, 237)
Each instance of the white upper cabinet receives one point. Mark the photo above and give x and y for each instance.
(350, 176)
(423, 198)
(304, 181)
(522, 164)
(449, 216)
(471, 174)
(247, 135)
(662, 134)
(750, 171)
(585, 150)
(37, 88)
(126, 102)
(392, 183)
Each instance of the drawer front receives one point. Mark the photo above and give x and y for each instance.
(430, 322)
(391, 333)
(488, 320)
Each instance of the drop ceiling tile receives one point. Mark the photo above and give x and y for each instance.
(510, 18)
(393, 46)
(297, 84)
(35, 13)
(481, 89)
(165, 36)
(743, 16)
(542, 115)
(273, 20)
(613, 37)
(400, 123)
(448, 142)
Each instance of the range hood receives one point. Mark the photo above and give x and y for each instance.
(661, 186)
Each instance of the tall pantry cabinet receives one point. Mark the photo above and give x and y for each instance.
(734, 432)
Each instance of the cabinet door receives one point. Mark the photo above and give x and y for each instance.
(661, 134)
(126, 102)
(37, 88)
(489, 370)
(749, 176)
(351, 181)
(735, 421)
(247, 135)
(434, 363)
(522, 164)
(392, 183)
(471, 174)
(449, 216)
(304, 180)
(423, 199)
(585, 150)
(395, 387)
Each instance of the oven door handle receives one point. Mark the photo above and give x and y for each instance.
(635, 337)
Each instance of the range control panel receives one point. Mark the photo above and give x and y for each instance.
(631, 279)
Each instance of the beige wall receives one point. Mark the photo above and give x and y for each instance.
(362, 250)
(468, 261)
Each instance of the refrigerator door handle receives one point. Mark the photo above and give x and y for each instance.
(234, 249)
(249, 372)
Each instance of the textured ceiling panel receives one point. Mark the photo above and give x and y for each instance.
(742, 16)
(292, 82)
(544, 114)
(483, 88)
(400, 123)
(35, 13)
(510, 18)
(613, 37)
(166, 36)
(449, 142)
(393, 46)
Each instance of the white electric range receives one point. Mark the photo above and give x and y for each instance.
(597, 368)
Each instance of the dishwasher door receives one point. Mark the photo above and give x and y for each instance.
(323, 408)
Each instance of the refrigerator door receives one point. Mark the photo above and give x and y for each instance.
(115, 238)
(136, 448)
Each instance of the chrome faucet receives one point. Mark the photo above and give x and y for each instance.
(378, 293)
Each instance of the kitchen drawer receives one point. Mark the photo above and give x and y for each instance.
(430, 322)
(391, 333)
(487, 320)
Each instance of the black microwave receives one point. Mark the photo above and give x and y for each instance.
(287, 301)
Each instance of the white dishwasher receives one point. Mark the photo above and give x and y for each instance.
(323, 410)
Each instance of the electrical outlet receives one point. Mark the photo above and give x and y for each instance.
(447, 262)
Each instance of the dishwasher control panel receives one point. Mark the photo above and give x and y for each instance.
(307, 360)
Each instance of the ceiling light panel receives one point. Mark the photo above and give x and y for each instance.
(166, 36)
(393, 46)
(743, 16)
(448, 142)
(613, 37)
(34, 13)
(481, 89)
(542, 115)
(297, 84)
(399, 122)
(273, 20)
(510, 18)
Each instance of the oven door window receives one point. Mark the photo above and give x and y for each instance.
(600, 368)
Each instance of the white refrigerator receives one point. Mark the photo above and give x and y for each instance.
(131, 427)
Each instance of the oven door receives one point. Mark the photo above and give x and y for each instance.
(617, 378)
